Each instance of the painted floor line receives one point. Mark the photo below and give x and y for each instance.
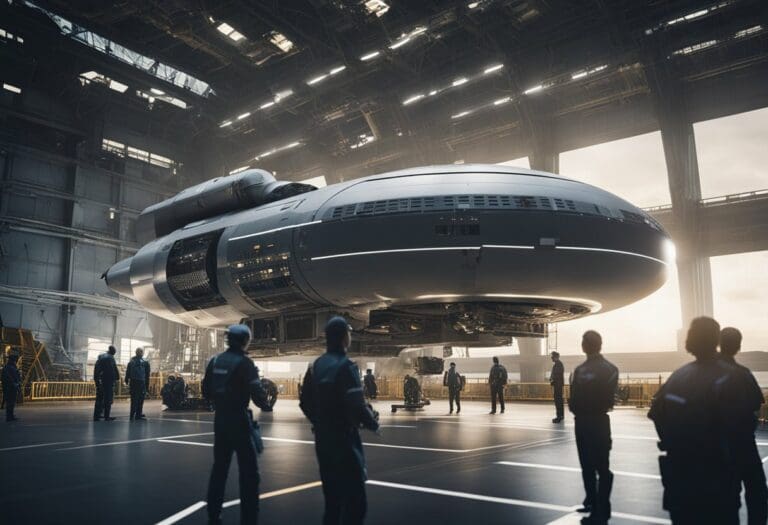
(37, 445)
(574, 518)
(575, 469)
(545, 429)
(509, 501)
(276, 493)
(175, 518)
(179, 442)
(170, 520)
(528, 444)
(128, 442)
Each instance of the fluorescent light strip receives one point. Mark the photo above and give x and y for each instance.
(607, 250)
(369, 56)
(412, 99)
(400, 43)
(317, 79)
(292, 226)
(491, 69)
(401, 250)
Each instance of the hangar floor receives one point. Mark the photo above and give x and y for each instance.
(428, 467)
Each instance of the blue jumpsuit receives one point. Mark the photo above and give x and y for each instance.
(230, 381)
(332, 399)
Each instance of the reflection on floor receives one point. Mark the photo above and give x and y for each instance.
(60, 467)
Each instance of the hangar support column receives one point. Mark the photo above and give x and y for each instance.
(532, 361)
(544, 153)
(693, 268)
(545, 157)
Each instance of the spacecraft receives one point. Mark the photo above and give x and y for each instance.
(458, 254)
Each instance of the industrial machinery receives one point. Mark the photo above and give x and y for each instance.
(458, 254)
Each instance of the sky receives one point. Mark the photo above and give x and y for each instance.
(733, 157)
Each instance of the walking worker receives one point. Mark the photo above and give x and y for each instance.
(137, 378)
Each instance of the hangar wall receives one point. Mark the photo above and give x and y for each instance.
(67, 213)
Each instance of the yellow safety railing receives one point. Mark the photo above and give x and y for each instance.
(388, 388)
(80, 390)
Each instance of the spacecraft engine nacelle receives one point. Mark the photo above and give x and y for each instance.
(438, 254)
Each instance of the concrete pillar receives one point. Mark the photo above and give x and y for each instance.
(544, 154)
(533, 364)
(695, 278)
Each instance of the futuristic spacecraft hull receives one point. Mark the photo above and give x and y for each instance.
(437, 254)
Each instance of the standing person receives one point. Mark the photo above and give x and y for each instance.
(137, 377)
(593, 390)
(105, 374)
(369, 383)
(557, 380)
(452, 380)
(746, 458)
(692, 412)
(332, 399)
(11, 386)
(497, 379)
(231, 381)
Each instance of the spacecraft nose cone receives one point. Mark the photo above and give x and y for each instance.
(118, 278)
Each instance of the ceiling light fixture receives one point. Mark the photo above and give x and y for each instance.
(412, 99)
(491, 69)
(400, 43)
(370, 55)
(317, 79)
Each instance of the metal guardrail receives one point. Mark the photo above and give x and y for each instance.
(636, 393)
(720, 199)
(83, 390)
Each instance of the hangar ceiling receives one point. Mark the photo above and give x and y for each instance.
(348, 88)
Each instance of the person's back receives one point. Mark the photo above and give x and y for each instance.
(231, 380)
(692, 412)
(369, 382)
(106, 367)
(741, 430)
(332, 399)
(452, 379)
(105, 374)
(593, 388)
